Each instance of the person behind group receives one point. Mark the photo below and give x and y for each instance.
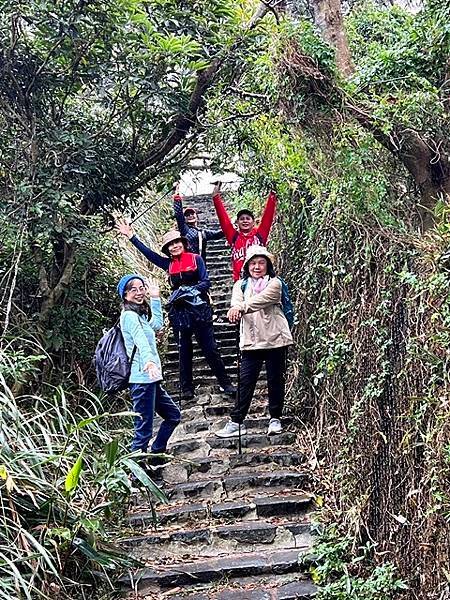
(139, 321)
(247, 234)
(187, 222)
(264, 338)
(190, 312)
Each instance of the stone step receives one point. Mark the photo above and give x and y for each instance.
(248, 440)
(189, 428)
(218, 489)
(227, 347)
(208, 542)
(204, 398)
(275, 588)
(217, 410)
(281, 458)
(206, 571)
(225, 339)
(180, 472)
(276, 505)
(250, 423)
(247, 532)
(228, 355)
(205, 382)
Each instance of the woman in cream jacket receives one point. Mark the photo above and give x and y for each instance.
(264, 338)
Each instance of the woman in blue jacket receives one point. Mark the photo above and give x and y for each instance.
(138, 322)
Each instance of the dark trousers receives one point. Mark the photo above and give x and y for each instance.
(251, 364)
(149, 398)
(204, 334)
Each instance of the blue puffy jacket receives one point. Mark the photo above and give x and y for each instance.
(138, 331)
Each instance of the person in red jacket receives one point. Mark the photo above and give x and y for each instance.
(246, 234)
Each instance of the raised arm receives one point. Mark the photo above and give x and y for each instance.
(160, 261)
(267, 217)
(157, 319)
(224, 220)
(179, 216)
(126, 230)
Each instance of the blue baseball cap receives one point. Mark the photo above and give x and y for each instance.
(124, 281)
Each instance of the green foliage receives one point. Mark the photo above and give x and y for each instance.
(89, 91)
(401, 61)
(64, 486)
(336, 564)
(370, 368)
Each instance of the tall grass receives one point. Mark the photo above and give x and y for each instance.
(64, 488)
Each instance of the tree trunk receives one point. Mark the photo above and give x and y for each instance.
(51, 295)
(328, 18)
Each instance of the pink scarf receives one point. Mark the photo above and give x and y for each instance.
(260, 284)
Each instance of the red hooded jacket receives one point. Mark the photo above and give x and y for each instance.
(239, 241)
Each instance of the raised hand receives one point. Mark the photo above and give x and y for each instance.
(176, 188)
(152, 289)
(217, 186)
(124, 228)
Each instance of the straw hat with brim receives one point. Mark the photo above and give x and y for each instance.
(170, 237)
(254, 251)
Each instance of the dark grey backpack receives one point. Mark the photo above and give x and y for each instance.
(111, 361)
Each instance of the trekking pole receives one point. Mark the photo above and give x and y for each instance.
(179, 369)
(238, 391)
(151, 205)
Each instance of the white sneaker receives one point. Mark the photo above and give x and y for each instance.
(274, 427)
(231, 430)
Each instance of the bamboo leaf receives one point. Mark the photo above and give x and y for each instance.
(111, 450)
(73, 476)
(142, 476)
(86, 422)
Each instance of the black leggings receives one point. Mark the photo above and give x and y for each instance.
(204, 334)
(251, 364)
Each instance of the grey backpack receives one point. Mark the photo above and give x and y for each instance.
(111, 361)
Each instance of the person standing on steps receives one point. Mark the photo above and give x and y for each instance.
(190, 310)
(246, 234)
(187, 222)
(139, 321)
(264, 338)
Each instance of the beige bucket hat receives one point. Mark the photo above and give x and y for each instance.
(253, 251)
(170, 237)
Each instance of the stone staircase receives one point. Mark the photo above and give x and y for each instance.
(236, 526)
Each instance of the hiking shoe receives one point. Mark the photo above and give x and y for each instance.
(231, 430)
(274, 427)
(230, 390)
(157, 460)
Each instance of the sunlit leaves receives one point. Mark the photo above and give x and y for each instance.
(73, 476)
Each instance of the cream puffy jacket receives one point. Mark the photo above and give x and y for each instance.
(263, 324)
